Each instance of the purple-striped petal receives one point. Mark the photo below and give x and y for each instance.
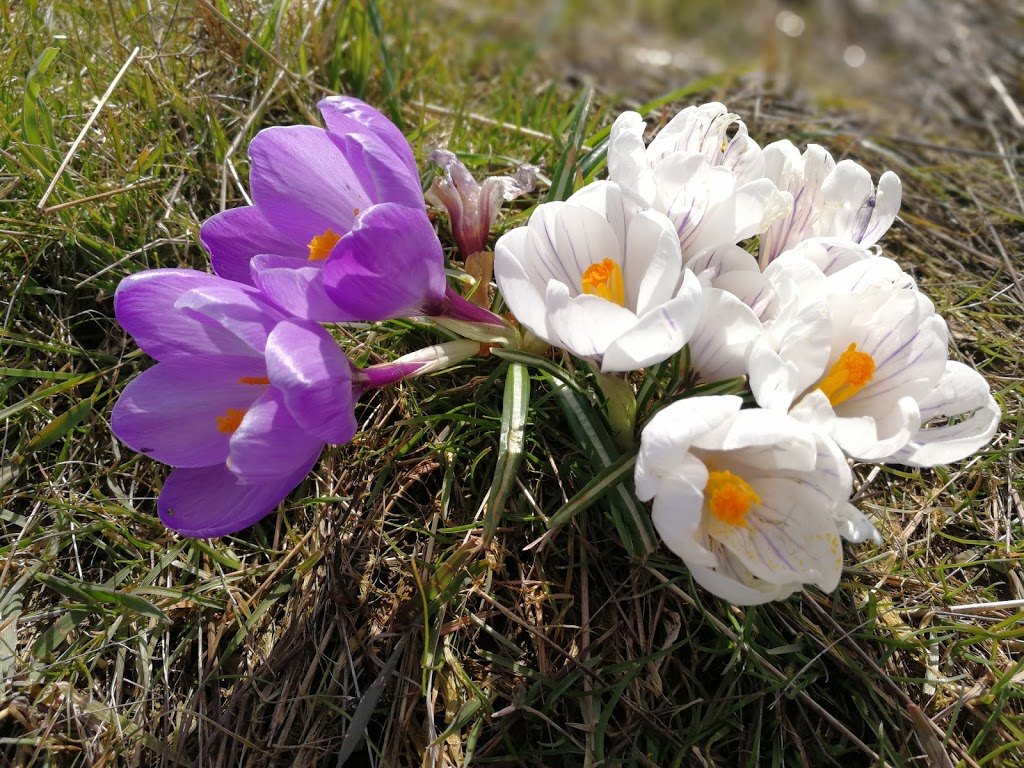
(211, 501)
(171, 412)
(390, 265)
(234, 236)
(305, 364)
(269, 443)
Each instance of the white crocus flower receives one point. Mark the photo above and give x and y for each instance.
(601, 278)
(710, 186)
(878, 377)
(752, 500)
(835, 201)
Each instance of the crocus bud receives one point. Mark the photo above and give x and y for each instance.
(472, 207)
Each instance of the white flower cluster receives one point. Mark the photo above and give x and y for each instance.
(764, 261)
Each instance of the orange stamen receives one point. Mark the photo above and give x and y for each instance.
(229, 422)
(848, 376)
(254, 380)
(605, 280)
(320, 246)
(730, 497)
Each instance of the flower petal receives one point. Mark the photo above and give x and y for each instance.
(390, 265)
(585, 324)
(145, 307)
(303, 184)
(519, 291)
(628, 165)
(344, 115)
(731, 581)
(660, 333)
(233, 307)
(678, 512)
(170, 412)
(210, 501)
(297, 288)
(652, 262)
(788, 538)
(960, 391)
(382, 173)
(305, 364)
(269, 444)
(721, 343)
(234, 236)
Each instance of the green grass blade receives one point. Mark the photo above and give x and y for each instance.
(563, 180)
(515, 408)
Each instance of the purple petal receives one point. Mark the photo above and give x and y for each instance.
(269, 443)
(303, 184)
(297, 287)
(390, 181)
(234, 308)
(391, 265)
(211, 501)
(344, 115)
(145, 307)
(170, 412)
(235, 236)
(305, 364)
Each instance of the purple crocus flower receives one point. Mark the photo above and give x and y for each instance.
(242, 399)
(338, 229)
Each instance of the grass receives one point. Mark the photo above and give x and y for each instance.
(366, 618)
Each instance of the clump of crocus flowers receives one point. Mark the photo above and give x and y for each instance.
(699, 246)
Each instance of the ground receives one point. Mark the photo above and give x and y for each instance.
(364, 618)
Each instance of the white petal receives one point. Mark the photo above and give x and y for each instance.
(673, 429)
(628, 165)
(520, 293)
(854, 525)
(788, 537)
(583, 237)
(660, 333)
(764, 441)
(606, 199)
(773, 380)
(719, 261)
(652, 263)
(585, 325)
(677, 516)
(886, 206)
(721, 343)
(734, 583)
(845, 192)
(959, 391)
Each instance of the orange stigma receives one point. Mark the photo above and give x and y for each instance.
(730, 497)
(320, 247)
(605, 280)
(848, 376)
(254, 380)
(229, 422)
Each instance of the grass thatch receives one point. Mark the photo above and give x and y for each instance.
(304, 638)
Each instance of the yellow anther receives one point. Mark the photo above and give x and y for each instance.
(605, 280)
(320, 246)
(730, 497)
(848, 376)
(229, 422)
